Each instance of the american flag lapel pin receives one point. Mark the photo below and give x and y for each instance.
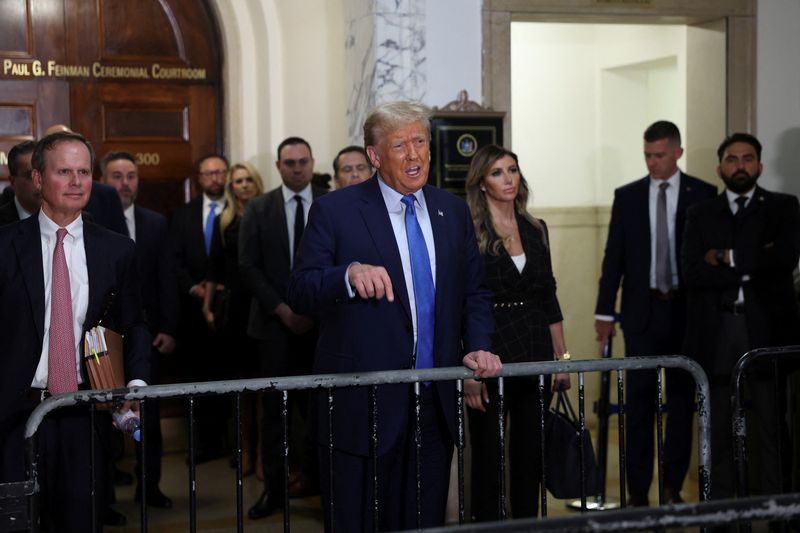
(439, 212)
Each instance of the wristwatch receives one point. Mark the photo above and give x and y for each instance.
(721, 255)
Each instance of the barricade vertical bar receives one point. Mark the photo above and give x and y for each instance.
(418, 454)
(501, 395)
(739, 434)
(660, 433)
(285, 420)
(621, 432)
(583, 435)
(602, 428)
(331, 495)
(703, 438)
(460, 448)
(777, 387)
(373, 399)
(542, 447)
(192, 477)
(31, 447)
(92, 465)
(143, 464)
(237, 409)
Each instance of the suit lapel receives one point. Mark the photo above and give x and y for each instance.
(439, 229)
(28, 244)
(376, 220)
(278, 213)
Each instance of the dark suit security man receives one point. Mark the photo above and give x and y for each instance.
(738, 255)
(25, 199)
(391, 267)
(641, 254)
(156, 262)
(59, 275)
(271, 230)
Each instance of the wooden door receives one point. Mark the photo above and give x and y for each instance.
(137, 76)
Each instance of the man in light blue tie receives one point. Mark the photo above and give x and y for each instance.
(197, 353)
(391, 267)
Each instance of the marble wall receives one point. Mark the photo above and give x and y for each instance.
(385, 56)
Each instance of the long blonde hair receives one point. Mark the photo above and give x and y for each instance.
(489, 238)
(233, 206)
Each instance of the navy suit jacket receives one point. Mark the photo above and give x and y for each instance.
(156, 261)
(627, 255)
(357, 335)
(264, 257)
(111, 266)
(8, 213)
(189, 242)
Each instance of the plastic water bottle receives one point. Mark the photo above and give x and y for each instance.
(128, 422)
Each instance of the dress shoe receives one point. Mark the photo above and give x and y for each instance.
(637, 501)
(113, 518)
(672, 497)
(265, 506)
(155, 498)
(122, 478)
(302, 487)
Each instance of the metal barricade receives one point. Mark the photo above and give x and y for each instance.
(762, 355)
(372, 380)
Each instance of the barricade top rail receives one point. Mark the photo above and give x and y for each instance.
(779, 352)
(327, 381)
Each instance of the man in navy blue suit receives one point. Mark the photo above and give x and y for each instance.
(391, 267)
(644, 239)
(156, 262)
(59, 276)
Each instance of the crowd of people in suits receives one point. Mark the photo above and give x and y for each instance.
(387, 272)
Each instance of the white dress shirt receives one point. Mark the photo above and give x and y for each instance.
(130, 220)
(397, 216)
(207, 208)
(672, 207)
(734, 207)
(75, 254)
(290, 209)
(21, 211)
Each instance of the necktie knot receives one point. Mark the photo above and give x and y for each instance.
(61, 233)
(740, 201)
(663, 185)
(408, 200)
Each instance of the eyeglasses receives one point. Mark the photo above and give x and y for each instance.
(213, 173)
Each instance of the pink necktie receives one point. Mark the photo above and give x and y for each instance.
(61, 372)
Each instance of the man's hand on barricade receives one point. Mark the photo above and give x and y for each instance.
(484, 364)
(605, 329)
(476, 394)
(370, 281)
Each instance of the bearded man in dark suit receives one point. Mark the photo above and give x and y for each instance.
(738, 255)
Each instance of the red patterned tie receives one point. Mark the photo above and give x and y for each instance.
(61, 372)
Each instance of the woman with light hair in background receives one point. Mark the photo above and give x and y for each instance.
(227, 302)
(528, 327)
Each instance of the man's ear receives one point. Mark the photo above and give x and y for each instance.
(36, 176)
(373, 157)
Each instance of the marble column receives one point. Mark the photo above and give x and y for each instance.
(385, 56)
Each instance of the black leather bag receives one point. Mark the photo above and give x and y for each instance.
(563, 452)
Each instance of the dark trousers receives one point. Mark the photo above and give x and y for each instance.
(663, 336)
(152, 427)
(521, 404)
(64, 446)
(763, 430)
(285, 354)
(352, 498)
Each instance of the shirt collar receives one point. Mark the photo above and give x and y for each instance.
(129, 212)
(21, 211)
(289, 194)
(393, 199)
(732, 196)
(674, 181)
(207, 202)
(48, 228)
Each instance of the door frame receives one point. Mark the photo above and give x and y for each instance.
(740, 35)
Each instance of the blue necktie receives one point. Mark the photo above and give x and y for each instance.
(424, 293)
(212, 214)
